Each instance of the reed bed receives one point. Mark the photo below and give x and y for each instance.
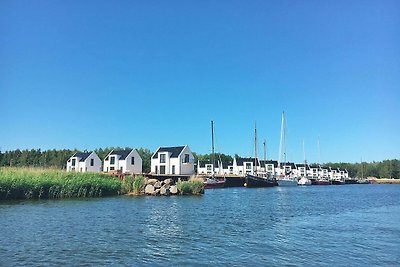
(28, 183)
(194, 186)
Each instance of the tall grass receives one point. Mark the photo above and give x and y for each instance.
(194, 186)
(133, 185)
(25, 183)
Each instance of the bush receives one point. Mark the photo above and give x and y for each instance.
(191, 187)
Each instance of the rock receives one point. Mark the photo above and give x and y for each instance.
(157, 185)
(173, 189)
(152, 181)
(168, 181)
(166, 186)
(164, 191)
(156, 192)
(149, 190)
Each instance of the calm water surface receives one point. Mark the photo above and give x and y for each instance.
(318, 225)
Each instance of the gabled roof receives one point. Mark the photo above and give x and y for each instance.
(240, 161)
(325, 168)
(268, 162)
(174, 150)
(82, 155)
(291, 164)
(315, 166)
(122, 153)
(226, 164)
(202, 163)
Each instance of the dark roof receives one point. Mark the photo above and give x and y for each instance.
(315, 166)
(291, 164)
(202, 163)
(240, 161)
(226, 164)
(82, 155)
(302, 166)
(325, 167)
(122, 153)
(174, 150)
(273, 162)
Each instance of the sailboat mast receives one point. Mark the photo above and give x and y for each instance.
(265, 156)
(212, 147)
(305, 161)
(255, 147)
(319, 151)
(281, 142)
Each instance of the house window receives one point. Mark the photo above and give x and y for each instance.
(186, 159)
(120, 169)
(162, 169)
(133, 160)
(91, 162)
(269, 167)
(112, 160)
(73, 162)
(156, 170)
(162, 158)
(248, 166)
(111, 168)
(173, 169)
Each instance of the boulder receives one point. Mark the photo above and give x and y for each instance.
(152, 181)
(166, 186)
(157, 185)
(157, 192)
(168, 181)
(149, 189)
(173, 189)
(164, 191)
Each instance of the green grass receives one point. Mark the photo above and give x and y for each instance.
(191, 187)
(24, 183)
(133, 185)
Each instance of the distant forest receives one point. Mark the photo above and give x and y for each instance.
(58, 159)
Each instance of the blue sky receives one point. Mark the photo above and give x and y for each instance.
(88, 74)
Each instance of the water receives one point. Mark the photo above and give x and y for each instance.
(317, 225)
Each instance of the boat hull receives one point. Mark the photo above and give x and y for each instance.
(287, 182)
(337, 182)
(257, 181)
(211, 183)
(321, 182)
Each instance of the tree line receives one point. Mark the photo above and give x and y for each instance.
(58, 159)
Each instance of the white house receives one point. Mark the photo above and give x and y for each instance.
(84, 162)
(269, 167)
(227, 168)
(288, 168)
(177, 160)
(302, 170)
(243, 166)
(206, 167)
(126, 161)
(315, 171)
(325, 172)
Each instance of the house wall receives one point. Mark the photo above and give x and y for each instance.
(186, 168)
(133, 168)
(107, 165)
(96, 164)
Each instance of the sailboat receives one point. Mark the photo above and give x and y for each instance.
(362, 180)
(304, 180)
(284, 178)
(320, 180)
(212, 182)
(255, 179)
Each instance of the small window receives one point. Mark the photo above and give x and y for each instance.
(248, 166)
(133, 160)
(73, 162)
(91, 162)
(186, 160)
(173, 169)
(111, 168)
(156, 170)
(112, 160)
(162, 169)
(162, 158)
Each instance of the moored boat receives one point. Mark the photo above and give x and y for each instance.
(212, 183)
(321, 182)
(287, 181)
(260, 181)
(338, 182)
(304, 181)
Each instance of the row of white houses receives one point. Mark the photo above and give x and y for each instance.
(166, 160)
(243, 166)
(179, 160)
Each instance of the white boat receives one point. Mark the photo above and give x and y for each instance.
(304, 181)
(284, 179)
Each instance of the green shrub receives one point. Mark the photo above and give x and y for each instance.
(190, 187)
